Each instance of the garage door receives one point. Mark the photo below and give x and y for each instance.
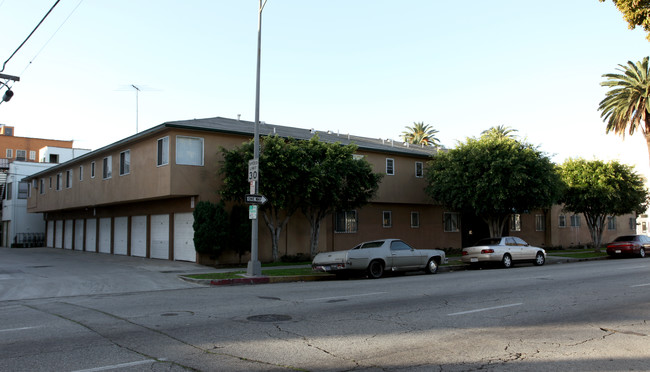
(67, 237)
(184, 237)
(121, 235)
(160, 236)
(139, 236)
(91, 235)
(79, 235)
(50, 234)
(58, 238)
(104, 235)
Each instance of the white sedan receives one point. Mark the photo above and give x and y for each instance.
(507, 250)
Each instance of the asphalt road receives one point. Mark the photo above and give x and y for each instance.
(588, 316)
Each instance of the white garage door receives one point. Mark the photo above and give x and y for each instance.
(104, 235)
(160, 236)
(50, 234)
(67, 237)
(58, 243)
(91, 235)
(79, 235)
(184, 237)
(121, 235)
(139, 236)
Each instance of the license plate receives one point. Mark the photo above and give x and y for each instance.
(473, 260)
(618, 251)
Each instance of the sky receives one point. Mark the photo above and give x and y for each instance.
(363, 67)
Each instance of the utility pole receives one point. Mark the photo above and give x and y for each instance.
(254, 265)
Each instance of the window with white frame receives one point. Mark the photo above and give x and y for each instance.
(345, 222)
(390, 166)
(515, 222)
(125, 162)
(419, 169)
(189, 150)
(611, 223)
(561, 221)
(451, 221)
(540, 222)
(107, 167)
(163, 151)
(387, 219)
(68, 178)
(10, 153)
(23, 190)
(415, 219)
(575, 220)
(32, 155)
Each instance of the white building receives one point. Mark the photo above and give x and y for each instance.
(19, 228)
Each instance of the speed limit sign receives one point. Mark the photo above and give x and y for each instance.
(253, 170)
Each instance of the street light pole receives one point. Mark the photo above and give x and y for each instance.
(137, 90)
(254, 265)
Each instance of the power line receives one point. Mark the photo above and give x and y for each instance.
(52, 37)
(30, 35)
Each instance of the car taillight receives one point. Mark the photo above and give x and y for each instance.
(489, 250)
(465, 253)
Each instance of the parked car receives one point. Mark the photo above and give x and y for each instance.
(378, 256)
(629, 245)
(507, 250)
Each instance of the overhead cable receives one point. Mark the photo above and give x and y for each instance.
(30, 35)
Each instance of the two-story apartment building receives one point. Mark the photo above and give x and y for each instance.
(136, 196)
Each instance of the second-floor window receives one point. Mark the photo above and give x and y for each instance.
(41, 188)
(125, 162)
(58, 182)
(23, 190)
(32, 155)
(107, 167)
(68, 178)
(21, 155)
(419, 169)
(189, 150)
(10, 153)
(390, 166)
(92, 170)
(163, 151)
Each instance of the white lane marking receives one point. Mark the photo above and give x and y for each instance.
(640, 285)
(632, 267)
(122, 365)
(16, 329)
(350, 296)
(485, 309)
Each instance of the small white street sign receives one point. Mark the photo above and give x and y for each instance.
(252, 212)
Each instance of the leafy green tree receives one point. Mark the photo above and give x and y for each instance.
(240, 230)
(635, 12)
(211, 228)
(282, 169)
(500, 131)
(600, 189)
(493, 178)
(421, 134)
(626, 107)
(335, 181)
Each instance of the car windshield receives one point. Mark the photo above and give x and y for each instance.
(488, 241)
(627, 238)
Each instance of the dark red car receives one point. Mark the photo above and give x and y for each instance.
(629, 245)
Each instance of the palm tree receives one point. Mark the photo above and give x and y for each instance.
(500, 132)
(421, 134)
(626, 107)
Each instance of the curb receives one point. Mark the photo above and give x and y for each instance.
(314, 278)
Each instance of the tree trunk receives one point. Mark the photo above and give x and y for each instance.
(596, 224)
(275, 228)
(496, 224)
(647, 140)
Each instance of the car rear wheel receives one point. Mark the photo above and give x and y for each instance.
(375, 270)
(432, 267)
(642, 252)
(539, 259)
(506, 261)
